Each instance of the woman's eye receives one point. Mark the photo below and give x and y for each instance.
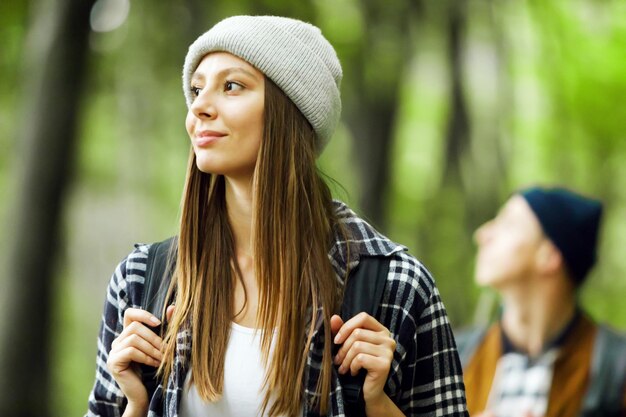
(195, 91)
(232, 86)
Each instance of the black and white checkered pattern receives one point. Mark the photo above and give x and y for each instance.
(425, 377)
(521, 385)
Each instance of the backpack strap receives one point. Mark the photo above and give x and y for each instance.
(158, 276)
(604, 396)
(363, 292)
(159, 269)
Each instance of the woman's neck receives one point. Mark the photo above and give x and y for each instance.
(240, 209)
(535, 314)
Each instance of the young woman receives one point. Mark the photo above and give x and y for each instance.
(263, 252)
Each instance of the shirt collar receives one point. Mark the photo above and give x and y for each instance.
(354, 238)
(556, 342)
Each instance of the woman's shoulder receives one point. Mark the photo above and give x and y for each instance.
(134, 264)
(137, 259)
(128, 278)
(356, 238)
(410, 277)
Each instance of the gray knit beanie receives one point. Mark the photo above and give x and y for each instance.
(293, 54)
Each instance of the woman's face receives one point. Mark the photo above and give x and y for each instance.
(225, 120)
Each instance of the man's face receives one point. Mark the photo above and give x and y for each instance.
(508, 245)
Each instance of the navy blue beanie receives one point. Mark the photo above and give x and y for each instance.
(572, 222)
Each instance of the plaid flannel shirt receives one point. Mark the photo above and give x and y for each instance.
(425, 378)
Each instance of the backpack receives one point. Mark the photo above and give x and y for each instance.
(604, 396)
(363, 292)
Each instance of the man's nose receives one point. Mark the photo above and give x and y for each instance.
(482, 233)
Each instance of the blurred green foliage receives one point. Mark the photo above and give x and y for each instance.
(542, 81)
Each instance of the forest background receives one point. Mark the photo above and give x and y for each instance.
(449, 106)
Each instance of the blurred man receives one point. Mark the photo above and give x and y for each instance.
(544, 356)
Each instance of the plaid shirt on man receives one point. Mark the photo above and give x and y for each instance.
(425, 377)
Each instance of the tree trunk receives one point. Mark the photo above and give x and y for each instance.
(372, 95)
(472, 181)
(372, 131)
(52, 86)
(457, 135)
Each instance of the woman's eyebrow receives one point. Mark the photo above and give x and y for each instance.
(199, 76)
(228, 71)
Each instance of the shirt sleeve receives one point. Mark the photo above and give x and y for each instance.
(426, 376)
(106, 399)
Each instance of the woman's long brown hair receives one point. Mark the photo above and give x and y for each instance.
(292, 231)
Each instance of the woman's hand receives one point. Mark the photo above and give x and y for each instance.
(369, 345)
(137, 344)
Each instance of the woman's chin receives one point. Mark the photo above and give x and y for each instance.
(208, 166)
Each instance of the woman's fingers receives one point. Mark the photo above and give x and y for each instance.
(143, 316)
(361, 320)
(139, 329)
(357, 335)
(375, 333)
(335, 324)
(354, 359)
(123, 369)
(138, 342)
(122, 359)
(373, 363)
(366, 344)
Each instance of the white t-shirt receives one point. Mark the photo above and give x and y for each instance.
(243, 380)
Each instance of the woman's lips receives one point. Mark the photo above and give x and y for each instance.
(207, 137)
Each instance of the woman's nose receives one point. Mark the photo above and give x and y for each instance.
(203, 107)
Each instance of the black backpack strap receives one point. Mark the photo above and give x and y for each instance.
(159, 269)
(363, 292)
(608, 374)
(157, 279)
